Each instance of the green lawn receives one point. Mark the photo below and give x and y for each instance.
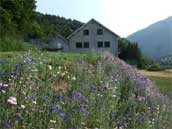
(164, 85)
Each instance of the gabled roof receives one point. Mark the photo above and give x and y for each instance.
(76, 31)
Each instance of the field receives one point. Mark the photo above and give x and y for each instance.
(42, 90)
(162, 79)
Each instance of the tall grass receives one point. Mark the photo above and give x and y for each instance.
(13, 44)
(72, 91)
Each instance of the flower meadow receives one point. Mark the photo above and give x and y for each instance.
(42, 90)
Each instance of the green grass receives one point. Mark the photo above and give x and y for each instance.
(164, 85)
(14, 44)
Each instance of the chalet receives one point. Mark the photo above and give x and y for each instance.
(91, 37)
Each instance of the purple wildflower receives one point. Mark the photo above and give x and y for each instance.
(6, 125)
(83, 108)
(54, 107)
(46, 97)
(20, 117)
(62, 115)
(59, 97)
(93, 88)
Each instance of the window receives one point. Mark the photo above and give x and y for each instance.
(107, 44)
(99, 31)
(86, 32)
(99, 44)
(86, 44)
(79, 45)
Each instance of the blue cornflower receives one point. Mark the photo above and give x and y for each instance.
(59, 97)
(93, 88)
(20, 117)
(62, 115)
(6, 125)
(46, 97)
(83, 108)
(54, 107)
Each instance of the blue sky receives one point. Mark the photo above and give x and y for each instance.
(121, 16)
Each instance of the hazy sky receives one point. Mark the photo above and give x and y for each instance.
(121, 16)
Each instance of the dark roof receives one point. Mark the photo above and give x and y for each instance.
(76, 31)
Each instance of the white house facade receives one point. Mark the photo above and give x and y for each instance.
(92, 37)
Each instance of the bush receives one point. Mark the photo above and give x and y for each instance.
(13, 44)
(155, 67)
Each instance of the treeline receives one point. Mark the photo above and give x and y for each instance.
(19, 19)
(131, 53)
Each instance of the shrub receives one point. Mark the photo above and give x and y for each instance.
(155, 67)
(13, 44)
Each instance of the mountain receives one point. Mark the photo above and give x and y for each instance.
(156, 40)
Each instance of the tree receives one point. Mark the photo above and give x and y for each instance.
(17, 15)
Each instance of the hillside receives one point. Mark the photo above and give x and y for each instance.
(155, 40)
(68, 91)
(52, 25)
(20, 21)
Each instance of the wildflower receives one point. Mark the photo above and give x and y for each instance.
(62, 115)
(34, 102)
(73, 78)
(59, 67)
(93, 88)
(62, 102)
(113, 96)
(3, 87)
(83, 108)
(74, 110)
(50, 128)
(59, 97)
(49, 67)
(12, 101)
(76, 95)
(6, 125)
(54, 107)
(46, 97)
(82, 123)
(3, 91)
(20, 117)
(34, 70)
(22, 106)
(63, 74)
(52, 121)
(68, 76)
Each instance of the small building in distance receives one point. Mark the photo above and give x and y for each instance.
(91, 37)
(57, 44)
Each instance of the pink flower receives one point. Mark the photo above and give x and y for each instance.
(12, 101)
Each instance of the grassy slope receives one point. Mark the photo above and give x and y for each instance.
(87, 74)
(12, 44)
(162, 79)
(164, 85)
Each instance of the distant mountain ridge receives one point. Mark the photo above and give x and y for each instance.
(155, 40)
